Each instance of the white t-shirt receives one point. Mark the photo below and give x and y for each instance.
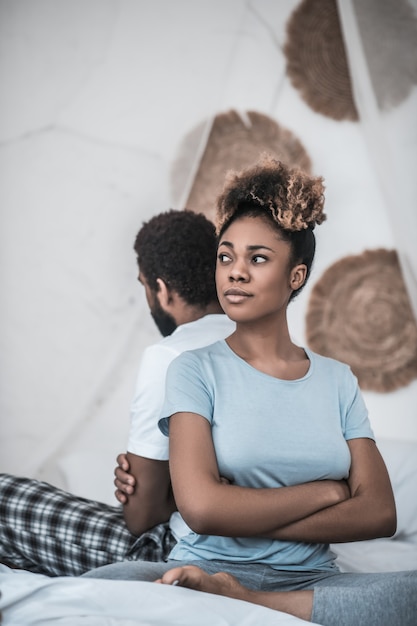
(145, 438)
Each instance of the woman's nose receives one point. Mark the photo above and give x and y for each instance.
(238, 272)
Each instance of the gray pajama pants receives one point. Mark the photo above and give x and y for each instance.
(340, 599)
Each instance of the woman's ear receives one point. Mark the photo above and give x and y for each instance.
(163, 293)
(298, 276)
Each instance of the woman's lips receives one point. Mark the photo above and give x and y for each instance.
(235, 296)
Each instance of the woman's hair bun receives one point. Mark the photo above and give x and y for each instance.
(294, 199)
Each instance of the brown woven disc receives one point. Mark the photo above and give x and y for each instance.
(359, 312)
(316, 59)
(233, 143)
(317, 62)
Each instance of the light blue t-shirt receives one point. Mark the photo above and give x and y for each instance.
(267, 432)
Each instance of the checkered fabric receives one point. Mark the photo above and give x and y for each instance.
(46, 530)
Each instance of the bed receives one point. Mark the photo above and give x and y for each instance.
(33, 600)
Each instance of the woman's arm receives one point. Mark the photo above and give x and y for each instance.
(152, 501)
(213, 508)
(369, 513)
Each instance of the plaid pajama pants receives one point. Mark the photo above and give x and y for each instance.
(46, 530)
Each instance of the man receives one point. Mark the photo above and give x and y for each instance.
(46, 530)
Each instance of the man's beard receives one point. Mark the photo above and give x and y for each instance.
(163, 320)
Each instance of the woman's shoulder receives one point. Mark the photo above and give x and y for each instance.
(200, 355)
(327, 364)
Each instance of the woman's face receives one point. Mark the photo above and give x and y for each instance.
(253, 277)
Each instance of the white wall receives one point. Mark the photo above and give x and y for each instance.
(96, 97)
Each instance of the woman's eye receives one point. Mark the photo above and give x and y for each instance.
(259, 259)
(223, 258)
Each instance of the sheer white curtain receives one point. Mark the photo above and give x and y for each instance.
(381, 42)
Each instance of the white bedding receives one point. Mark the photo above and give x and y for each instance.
(34, 600)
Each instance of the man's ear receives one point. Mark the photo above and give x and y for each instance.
(298, 276)
(163, 293)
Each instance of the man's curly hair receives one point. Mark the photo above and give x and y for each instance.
(180, 248)
(294, 199)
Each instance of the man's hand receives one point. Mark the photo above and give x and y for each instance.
(124, 481)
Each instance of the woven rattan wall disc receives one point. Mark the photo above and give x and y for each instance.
(359, 312)
(316, 59)
(235, 141)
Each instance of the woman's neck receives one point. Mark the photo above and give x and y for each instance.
(269, 349)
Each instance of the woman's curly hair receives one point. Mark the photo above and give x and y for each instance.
(293, 198)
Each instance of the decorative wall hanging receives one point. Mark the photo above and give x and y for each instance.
(316, 59)
(359, 312)
(317, 63)
(234, 141)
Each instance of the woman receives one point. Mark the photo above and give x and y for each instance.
(287, 428)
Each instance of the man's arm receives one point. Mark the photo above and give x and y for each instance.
(151, 501)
